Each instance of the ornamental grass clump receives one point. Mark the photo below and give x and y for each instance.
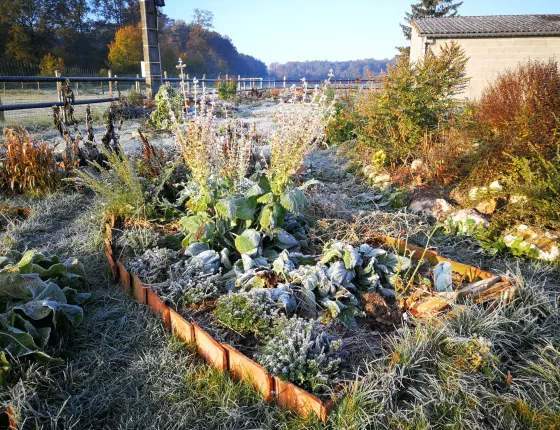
(301, 352)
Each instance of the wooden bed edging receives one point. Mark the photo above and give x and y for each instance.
(471, 273)
(139, 290)
(293, 398)
(242, 367)
(7, 420)
(209, 348)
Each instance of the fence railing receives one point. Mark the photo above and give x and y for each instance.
(27, 98)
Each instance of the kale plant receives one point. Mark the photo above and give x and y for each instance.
(190, 282)
(252, 312)
(153, 265)
(301, 352)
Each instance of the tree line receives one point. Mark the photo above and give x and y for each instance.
(320, 69)
(102, 34)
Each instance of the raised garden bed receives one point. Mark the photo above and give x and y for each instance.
(221, 355)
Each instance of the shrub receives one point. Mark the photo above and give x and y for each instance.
(341, 127)
(167, 102)
(537, 179)
(252, 312)
(50, 64)
(302, 352)
(227, 89)
(27, 165)
(522, 107)
(416, 100)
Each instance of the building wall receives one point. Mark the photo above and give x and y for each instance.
(488, 57)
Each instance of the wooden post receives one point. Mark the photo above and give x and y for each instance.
(188, 85)
(284, 82)
(2, 117)
(58, 86)
(150, 41)
(261, 83)
(137, 84)
(4, 87)
(118, 88)
(203, 82)
(77, 88)
(238, 82)
(166, 77)
(38, 86)
(110, 75)
(102, 90)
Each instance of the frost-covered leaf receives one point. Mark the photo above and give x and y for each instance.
(293, 200)
(351, 257)
(248, 242)
(284, 240)
(210, 260)
(226, 208)
(338, 273)
(245, 208)
(196, 248)
(287, 302)
(332, 255)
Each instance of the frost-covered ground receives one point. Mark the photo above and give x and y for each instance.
(123, 371)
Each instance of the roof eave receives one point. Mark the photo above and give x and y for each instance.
(475, 35)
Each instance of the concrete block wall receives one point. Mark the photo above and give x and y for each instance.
(488, 57)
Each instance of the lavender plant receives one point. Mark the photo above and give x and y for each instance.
(302, 352)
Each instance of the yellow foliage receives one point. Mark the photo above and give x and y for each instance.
(49, 64)
(125, 52)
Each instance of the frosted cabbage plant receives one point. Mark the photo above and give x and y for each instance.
(302, 352)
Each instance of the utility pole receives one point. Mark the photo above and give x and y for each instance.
(150, 40)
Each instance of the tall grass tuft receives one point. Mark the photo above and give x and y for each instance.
(117, 184)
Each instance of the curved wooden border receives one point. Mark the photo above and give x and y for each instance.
(243, 368)
(212, 351)
(293, 398)
(139, 290)
(124, 277)
(7, 420)
(181, 327)
(158, 307)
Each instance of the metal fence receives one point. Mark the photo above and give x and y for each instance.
(28, 100)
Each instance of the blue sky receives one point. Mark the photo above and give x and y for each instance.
(299, 30)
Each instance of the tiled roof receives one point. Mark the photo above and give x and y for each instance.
(499, 25)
